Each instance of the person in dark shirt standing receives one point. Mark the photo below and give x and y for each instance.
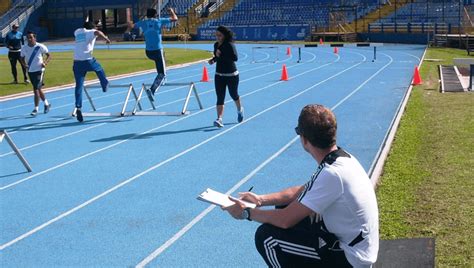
(227, 76)
(14, 41)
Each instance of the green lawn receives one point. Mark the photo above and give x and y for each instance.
(59, 71)
(427, 186)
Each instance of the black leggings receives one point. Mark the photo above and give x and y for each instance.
(14, 57)
(221, 82)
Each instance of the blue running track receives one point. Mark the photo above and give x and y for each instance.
(122, 191)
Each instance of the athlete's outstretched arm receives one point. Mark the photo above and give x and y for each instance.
(101, 34)
(173, 14)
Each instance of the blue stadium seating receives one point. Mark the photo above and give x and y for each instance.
(278, 12)
(447, 11)
(181, 6)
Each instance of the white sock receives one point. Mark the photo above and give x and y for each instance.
(36, 108)
(46, 102)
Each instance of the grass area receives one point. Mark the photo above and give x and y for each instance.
(59, 71)
(427, 186)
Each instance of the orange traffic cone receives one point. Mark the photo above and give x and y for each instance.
(417, 77)
(288, 51)
(321, 41)
(284, 74)
(205, 76)
(336, 50)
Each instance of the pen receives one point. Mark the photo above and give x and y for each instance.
(250, 189)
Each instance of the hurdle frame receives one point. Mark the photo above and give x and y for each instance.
(374, 45)
(263, 47)
(4, 135)
(94, 113)
(184, 111)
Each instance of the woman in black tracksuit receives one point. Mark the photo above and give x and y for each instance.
(225, 55)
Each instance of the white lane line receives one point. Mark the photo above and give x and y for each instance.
(139, 80)
(105, 107)
(201, 215)
(118, 186)
(96, 83)
(171, 74)
(137, 135)
(120, 103)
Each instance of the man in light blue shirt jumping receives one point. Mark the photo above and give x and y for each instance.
(151, 27)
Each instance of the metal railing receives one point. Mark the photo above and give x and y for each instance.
(18, 14)
(409, 27)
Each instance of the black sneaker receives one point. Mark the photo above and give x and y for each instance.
(150, 95)
(14, 82)
(34, 112)
(46, 108)
(79, 115)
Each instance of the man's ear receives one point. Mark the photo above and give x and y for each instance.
(304, 140)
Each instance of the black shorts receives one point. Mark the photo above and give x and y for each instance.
(36, 79)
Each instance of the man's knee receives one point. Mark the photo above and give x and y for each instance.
(263, 232)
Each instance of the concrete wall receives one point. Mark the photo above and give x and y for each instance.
(403, 38)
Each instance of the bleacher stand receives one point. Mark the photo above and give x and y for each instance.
(281, 12)
(423, 11)
(181, 6)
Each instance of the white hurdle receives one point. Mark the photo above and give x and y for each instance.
(137, 108)
(184, 111)
(4, 135)
(131, 90)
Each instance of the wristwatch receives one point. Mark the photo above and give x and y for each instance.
(246, 214)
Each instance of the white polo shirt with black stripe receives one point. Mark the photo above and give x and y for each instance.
(341, 192)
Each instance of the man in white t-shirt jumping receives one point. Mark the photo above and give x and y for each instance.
(332, 220)
(84, 62)
(31, 58)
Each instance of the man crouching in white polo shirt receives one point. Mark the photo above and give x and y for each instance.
(332, 220)
(32, 60)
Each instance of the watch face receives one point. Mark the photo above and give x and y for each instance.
(245, 214)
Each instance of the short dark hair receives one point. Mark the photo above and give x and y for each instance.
(151, 13)
(228, 34)
(31, 32)
(318, 124)
(89, 25)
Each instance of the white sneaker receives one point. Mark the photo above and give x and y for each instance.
(240, 115)
(218, 123)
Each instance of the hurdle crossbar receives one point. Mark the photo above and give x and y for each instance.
(4, 135)
(94, 113)
(264, 47)
(374, 45)
(184, 111)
